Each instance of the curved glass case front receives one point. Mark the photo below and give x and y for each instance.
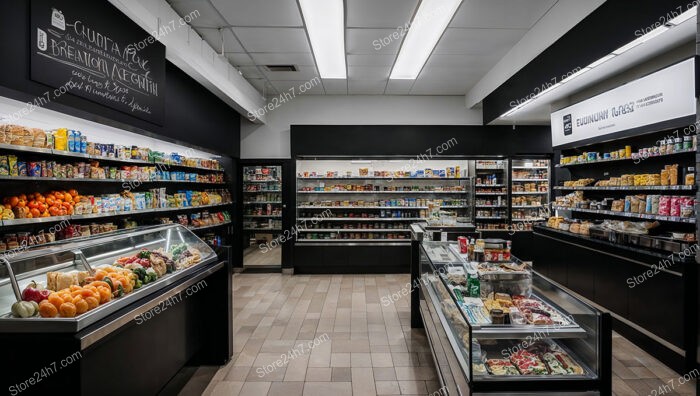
(510, 323)
(115, 270)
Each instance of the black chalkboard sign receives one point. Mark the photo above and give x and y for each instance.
(91, 49)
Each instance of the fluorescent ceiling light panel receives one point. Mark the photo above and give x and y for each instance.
(325, 24)
(427, 27)
(684, 16)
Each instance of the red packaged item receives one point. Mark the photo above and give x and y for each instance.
(463, 245)
(664, 206)
(675, 206)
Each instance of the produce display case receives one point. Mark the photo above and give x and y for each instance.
(528, 336)
(160, 281)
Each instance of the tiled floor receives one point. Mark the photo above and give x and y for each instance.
(351, 344)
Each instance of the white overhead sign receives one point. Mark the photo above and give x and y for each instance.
(662, 96)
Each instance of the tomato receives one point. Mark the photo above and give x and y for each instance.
(21, 203)
(40, 198)
(42, 207)
(35, 212)
(73, 192)
(54, 211)
(14, 201)
(45, 213)
(33, 204)
(68, 198)
(22, 197)
(50, 201)
(58, 195)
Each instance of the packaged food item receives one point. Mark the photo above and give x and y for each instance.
(664, 206)
(4, 166)
(12, 161)
(673, 175)
(34, 169)
(655, 199)
(675, 206)
(61, 139)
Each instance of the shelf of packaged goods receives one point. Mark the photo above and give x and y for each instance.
(530, 219)
(628, 188)
(353, 240)
(381, 178)
(261, 191)
(489, 169)
(690, 151)
(262, 181)
(56, 219)
(379, 207)
(263, 229)
(261, 202)
(381, 192)
(263, 216)
(88, 180)
(489, 185)
(531, 180)
(530, 193)
(209, 226)
(368, 219)
(530, 167)
(527, 207)
(491, 218)
(490, 206)
(64, 153)
(493, 193)
(673, 219)
(356, 230)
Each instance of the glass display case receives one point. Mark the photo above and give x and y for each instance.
(85, 280)
(530, 192)
(491, 197)
(509, 329)
(375, 201)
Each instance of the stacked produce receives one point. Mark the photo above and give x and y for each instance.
(69, 294)
(35, 205)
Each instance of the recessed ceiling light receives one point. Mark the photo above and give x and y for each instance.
(425, 31)
(325, 24)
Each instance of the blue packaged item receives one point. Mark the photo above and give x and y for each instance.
(71, 141)
(83, 144)
(441, 173)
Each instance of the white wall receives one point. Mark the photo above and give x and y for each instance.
(272, 139)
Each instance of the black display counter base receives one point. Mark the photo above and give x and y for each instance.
(659, 312)
(351, 259)
(141, 355)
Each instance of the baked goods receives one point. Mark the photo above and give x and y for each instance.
(63, 280)
(528, 363)
(501, 367)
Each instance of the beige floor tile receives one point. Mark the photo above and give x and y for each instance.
(340, 359)
(318, 374)
(388, 388)
(360, 359)
(237, 373)
(296, 369)
(413, 387)
(405, 359)
(327, 389)
(286, 389)
(341, 374)
(227, 388)
(415, 373)
(384, 374)
(255, 389)
(363, 382)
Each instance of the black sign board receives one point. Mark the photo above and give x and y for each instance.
(91, 49)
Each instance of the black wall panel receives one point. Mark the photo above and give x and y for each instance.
(193, 115)
(414, 140)
(612, 25)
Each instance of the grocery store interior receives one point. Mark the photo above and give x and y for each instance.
(350, 197)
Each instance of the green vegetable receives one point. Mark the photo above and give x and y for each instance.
(140, 272)
(108, 280)
(153, 277)
(25, 309)
(138, 284)
(144, 254)
(119, 292)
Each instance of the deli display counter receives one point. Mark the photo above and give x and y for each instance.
(498, 327)
(117, 314)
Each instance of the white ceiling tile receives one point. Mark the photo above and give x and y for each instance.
(297, 88)
(501, 14)
(368, 72)
(260, 12)
(239, 59)
(214, 36)
(250, 72)
(335, 87)
(471, 62)
(446, 86)
(369, 41)
(366, 87)
(262, 85)
(273, 39)
(380, 13)
(303, 73)
(371, 60)
(399, 87)
(201, 12)
(283, 58)
(478, 41)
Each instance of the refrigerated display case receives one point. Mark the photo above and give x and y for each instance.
(147, 296)
(262, 214)
(501, 328)
(491, 197)
(530, 192)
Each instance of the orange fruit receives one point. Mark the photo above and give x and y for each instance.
(13, 201)
(55, 300)
(47, 310)
(21, 203)
(40, 198)
(81, 307)
(58, 195)
(92, 302)
(22, 197)
(73, 192)
(67, 310)
(35, 213)
(54, 211)
(68, 198)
